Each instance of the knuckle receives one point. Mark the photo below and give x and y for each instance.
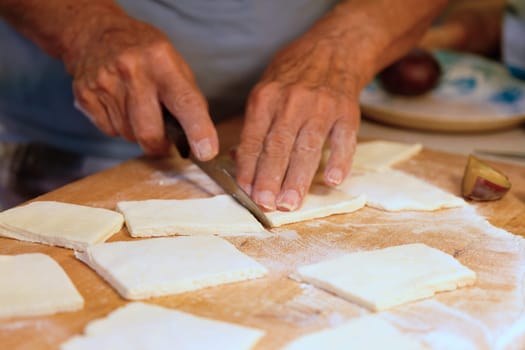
(298, 92)
(264, 92)
(147, 137)
(311, 142)
(249, 148)
(82, 94)
(104, 81)
(278, 143)
(187, 100)
(127, 62)
(159, 49)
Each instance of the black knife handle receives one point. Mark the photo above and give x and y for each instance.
(175, 133)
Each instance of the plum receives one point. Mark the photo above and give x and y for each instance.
(412, 75)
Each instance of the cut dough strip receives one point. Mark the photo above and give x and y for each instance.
(164, 266)
(34, 284)
(364, 333)
(60, 224)
(219, 215)
(320, 202)
(394, 190)
(144, 326)
(381, 155)
(384, 278)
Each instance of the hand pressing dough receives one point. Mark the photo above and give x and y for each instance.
(60, 224)
(220, 215)
(144, 326)
(34, 284)
(394, 190)
(321, 201)
(163, 266)
(384, 278)
(381, 155)
(364, 333)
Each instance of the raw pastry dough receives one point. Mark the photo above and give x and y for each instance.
(321, 201)
(219, 215)
(164, 266)
(61, 224)
(380, 155)
(388, 277)
(144, 326)
(34, 284)
(394, 190)
(364, 333)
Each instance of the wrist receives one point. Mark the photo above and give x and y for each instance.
(359, 41)
(86, 25)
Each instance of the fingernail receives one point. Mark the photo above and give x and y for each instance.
(204, 149)
(334, 176)
(265, 199)
(289, 200)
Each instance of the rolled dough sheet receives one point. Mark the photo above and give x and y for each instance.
(60, 224)
(363, 333)
(219, 215)
(381, 155)
(163, 266)
(34, 284)
(384, 278)
(394, 190)
(144, 326)
(320, 202)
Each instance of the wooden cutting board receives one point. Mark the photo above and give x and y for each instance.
(476, 317)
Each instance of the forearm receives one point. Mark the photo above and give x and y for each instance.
(378, 32)
(58, 26)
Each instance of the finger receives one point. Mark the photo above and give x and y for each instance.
(87, 102)
(259, 116)
(304, 161)
(343, 138)
(184, 100)
(111, 93)
(145, 116)
(274, 158)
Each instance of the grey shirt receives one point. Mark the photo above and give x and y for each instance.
(227, 43)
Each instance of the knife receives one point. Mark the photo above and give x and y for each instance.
(213, 168)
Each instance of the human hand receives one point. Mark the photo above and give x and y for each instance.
(308, 94)
(123, 70)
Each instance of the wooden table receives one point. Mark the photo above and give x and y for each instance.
(284, 308)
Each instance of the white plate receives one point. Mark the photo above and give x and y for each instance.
(474, 94)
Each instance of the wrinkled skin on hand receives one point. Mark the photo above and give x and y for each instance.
(124, 72)
(308, 95)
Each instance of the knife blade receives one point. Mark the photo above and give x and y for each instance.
(214, 168)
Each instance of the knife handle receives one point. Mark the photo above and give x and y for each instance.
(175, 133)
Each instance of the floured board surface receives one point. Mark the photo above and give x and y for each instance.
(482, 317)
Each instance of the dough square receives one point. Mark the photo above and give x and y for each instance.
(380, 155)
(363, 333)
(145, 326)
(321, 201)
(220, 215)
(384, 278)
(60, 224)
(164, 266)
(394, 190)
(34, 284)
